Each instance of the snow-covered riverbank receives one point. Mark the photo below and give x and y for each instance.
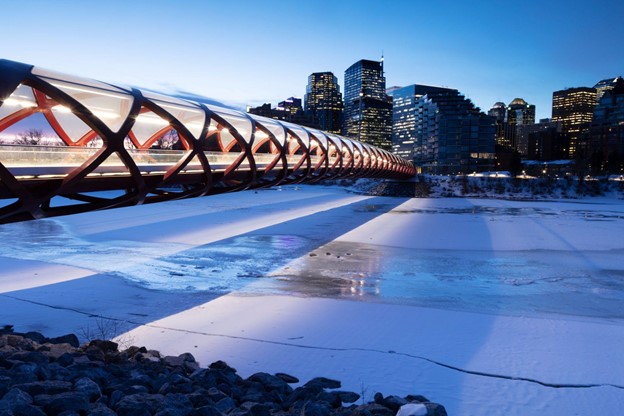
(451, 298)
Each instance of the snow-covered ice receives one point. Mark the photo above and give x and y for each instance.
(451, 298)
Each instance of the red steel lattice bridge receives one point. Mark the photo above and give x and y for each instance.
(70, 145)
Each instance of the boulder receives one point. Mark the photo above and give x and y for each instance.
(324, 383)
(45, 387)
(70, 339)
(63, 402)
(140, 404)
(88, 388)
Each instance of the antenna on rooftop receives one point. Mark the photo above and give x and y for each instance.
(382, 61)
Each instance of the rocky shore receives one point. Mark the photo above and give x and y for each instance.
(58, 376)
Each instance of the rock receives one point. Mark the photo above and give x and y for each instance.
(176, 405)
(45, 387)
(27, 410)
(35, 336)
(348, 396)
(14, 398)
(70, 339)
(270, 382)
(215, 394)
(416, 398)
(104, 346)
(219, 365)
(139, 404)
(65, 359)
(374, 409)
(172, 361)
(413, 409)
(206, 411)
(98, 409)
(30, 356)
(88, 388)
(331, 398)
(95, 354)
(287, 378)
(57, 378)
(58, 403)
(393, 403)
(55, 351)
(435, 409)
(324, 383)
(315, 409)
(225, 405)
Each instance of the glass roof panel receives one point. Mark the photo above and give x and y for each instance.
(22, 97)
(147, 125)
(272, 126)
(300, 132)
(111, 107)
(53, 75)
(191, 116)
(320, 136)
(336, 141)
(238, 120)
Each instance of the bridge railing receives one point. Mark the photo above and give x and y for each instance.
(62, 137)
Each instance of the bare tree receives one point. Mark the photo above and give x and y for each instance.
(95, 143)
(30, 137)
(166, 141)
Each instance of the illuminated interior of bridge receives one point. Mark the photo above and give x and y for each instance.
(70, 144)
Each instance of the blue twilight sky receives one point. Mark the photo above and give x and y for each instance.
(250, 52)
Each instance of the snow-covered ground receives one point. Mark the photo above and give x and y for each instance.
(486, 306)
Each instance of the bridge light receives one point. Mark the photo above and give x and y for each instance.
(62, 109)
(16, 102)
(151, 119)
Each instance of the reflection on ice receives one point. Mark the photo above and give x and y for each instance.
(532, 282)
(512, 282)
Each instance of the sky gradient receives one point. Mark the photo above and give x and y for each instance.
(251, 52)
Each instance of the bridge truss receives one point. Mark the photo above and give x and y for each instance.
(71, 145)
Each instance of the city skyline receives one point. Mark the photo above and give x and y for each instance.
(245, 53)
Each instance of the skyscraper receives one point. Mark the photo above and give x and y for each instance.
(604, 86)
(453, 136)
(519, 113)
(574, 109)
(607, 131)
(404, 108)
(368, 110)
(323, 101)
(499, 112)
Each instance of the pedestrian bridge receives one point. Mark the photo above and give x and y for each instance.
(70, 144)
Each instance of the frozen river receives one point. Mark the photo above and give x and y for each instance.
(531, 279)
(450, 298)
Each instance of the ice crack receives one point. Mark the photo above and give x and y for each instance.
(325, 348)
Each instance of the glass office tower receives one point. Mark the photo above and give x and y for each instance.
(323, 101)
(453, 136)
(404, 127)
(368, 109)
(574, 109)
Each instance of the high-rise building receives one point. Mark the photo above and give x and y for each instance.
(404, 127)
(323, 101)
(607, 131)
(546, 141)
(499, 112)
(291, 105)
(368, 109)
(574, 109)
(519, 113)
(288, 110)
(604, 86)
(453, 136)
